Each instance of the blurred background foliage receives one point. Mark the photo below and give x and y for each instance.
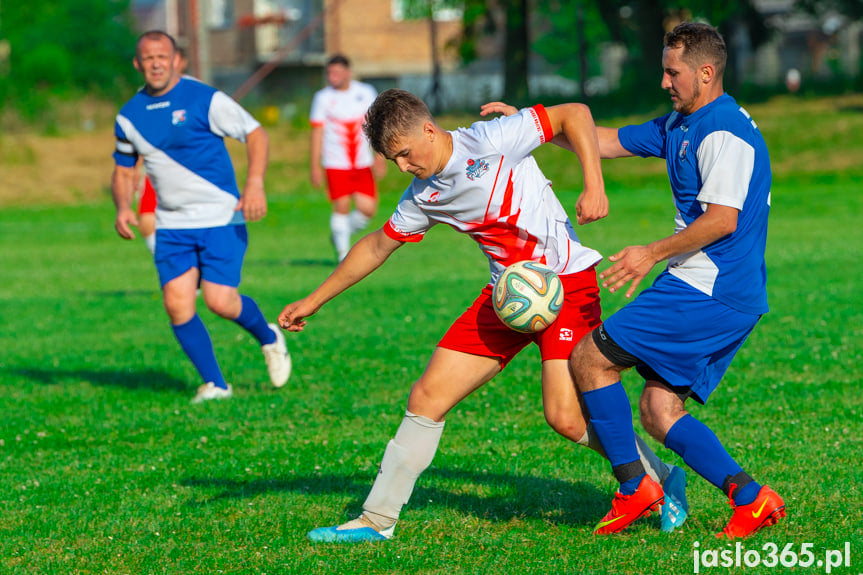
(64, 51)
(55, 54)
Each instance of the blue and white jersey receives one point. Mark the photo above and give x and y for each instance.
(715, 155)
(181, 138)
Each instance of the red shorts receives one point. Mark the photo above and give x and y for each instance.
(341, 183)
(147, 204)
(479, 331)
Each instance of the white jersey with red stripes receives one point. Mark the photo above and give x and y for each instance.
(493, 190)
(341, 113)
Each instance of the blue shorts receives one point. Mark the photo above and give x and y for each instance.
(685, 336)
(217, 252)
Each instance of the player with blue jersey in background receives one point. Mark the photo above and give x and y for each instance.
(178, 124)
(682, 332)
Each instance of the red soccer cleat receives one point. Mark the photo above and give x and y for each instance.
(766, 510)
(627, 508)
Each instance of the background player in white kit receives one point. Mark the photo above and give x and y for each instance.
(482, 181)
(340, 149)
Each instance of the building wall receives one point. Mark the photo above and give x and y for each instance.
(233, 46)
(378, 45)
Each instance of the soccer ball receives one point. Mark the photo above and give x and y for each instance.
(527, 296)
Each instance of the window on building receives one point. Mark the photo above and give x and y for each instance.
(221, 14)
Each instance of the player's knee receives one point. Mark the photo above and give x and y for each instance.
(429, 401)
(570, 425)
(648, 419)
(654, 417)
(179, 310)
(589, 366)
(579, 358)
(222, 304)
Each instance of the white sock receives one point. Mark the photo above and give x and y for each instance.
(340, 227)
(359, 221)
(151, 243)
(407, 455)
(655, 468)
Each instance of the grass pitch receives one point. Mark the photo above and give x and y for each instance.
(107, 468)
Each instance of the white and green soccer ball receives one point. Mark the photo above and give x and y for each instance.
(527, 296)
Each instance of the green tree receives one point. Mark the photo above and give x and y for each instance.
(640, 25)
(60, 49)
(427, 10)
(479, 22)
(853, 9)
(571, 36)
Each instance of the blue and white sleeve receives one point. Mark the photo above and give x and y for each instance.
(125, 154)
(228, 118)
(725, 162)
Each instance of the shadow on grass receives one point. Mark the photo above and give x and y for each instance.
(147, 379)
(302, 263)
(130, 293)
(553, 500)
(309, 263)
(850, 108)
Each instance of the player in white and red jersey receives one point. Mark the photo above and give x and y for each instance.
(481, 181)
(339, 147)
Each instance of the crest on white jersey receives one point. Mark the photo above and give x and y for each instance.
(476, 169)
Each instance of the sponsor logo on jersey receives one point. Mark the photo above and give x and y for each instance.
(565, 334)
(683, 146)
(158, 105)
(435, 196)
(178, 117)
(476, 169)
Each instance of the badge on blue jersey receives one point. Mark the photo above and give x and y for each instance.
(178, 117)
(683, 146)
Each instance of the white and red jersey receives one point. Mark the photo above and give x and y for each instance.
(493, 190)
(341, 113)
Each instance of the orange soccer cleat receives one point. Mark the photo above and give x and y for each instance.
(627, 508)
(766, 510)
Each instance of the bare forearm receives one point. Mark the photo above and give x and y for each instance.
(258, 153)
(365, 256)
(123, 187)
(315, 144)
(608, 140)
(717, 222)
(609, 144)
(580, 131)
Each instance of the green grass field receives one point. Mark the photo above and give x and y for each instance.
(107, 468)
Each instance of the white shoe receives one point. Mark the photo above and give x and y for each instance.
(277, 357)
(209, 391)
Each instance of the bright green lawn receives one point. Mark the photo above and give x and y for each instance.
(106, 468)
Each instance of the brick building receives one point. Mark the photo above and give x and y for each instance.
(276, 49)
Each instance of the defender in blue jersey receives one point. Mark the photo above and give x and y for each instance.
(177, 125)
(683, 331)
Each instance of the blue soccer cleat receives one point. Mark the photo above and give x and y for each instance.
(674, 512)
(355, 531)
